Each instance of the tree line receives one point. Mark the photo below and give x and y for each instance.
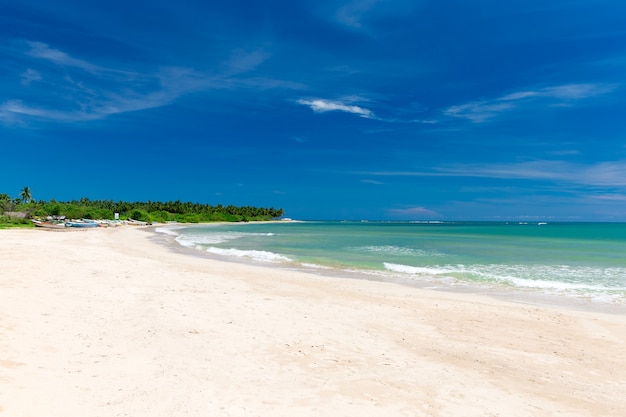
(150, 211)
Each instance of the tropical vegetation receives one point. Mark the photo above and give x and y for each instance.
(16, 211)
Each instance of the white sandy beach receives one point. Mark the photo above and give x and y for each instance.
(107, 322)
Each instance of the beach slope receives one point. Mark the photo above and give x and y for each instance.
(110, 323)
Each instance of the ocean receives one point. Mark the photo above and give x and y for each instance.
(581, 262)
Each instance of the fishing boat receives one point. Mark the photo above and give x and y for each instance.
(81, 223)
(137, 222)
(48, 225)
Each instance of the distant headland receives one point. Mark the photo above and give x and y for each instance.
(18, 211)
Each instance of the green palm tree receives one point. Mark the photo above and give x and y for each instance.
(5, 199)
(26, 195)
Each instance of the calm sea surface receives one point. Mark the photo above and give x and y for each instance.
(585, 261)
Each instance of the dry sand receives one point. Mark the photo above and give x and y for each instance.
(110, 323)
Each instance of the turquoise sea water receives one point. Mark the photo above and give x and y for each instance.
(580, 260)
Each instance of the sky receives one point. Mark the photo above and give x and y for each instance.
(363, 109)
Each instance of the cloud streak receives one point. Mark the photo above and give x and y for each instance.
(361, 15)
(479, 111)
(351, 13)
(98, 101)
(602, 174)
(85, 91)
(29, 76)
(43, 51)
(319, 105)
(374, 182)
(560, 95)
(413, 213)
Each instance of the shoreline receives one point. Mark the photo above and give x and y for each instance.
(111, 323)
(500, 292)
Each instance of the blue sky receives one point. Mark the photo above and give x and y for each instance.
(364, 109)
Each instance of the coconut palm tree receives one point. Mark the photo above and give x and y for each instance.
(26, 195)
(5, 199)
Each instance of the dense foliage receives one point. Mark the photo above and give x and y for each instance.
(150, 211)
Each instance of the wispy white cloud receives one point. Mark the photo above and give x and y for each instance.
(560, 95)
(413, 213)
(7, 115)
(98, 101)
(351, 13)
(374, 182)
(577, 91)
(12, 109)
(356, 104)
(479, 111)
(299, 139)
(610, 197)
(84, 91)
(565, 152)
(244, 61)
(601, 174)
(359, 14)
(29, 76)
(44, 51)
(519, 95)
(321, 106)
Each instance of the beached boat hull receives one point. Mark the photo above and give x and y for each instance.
(81, 224)
(48, 225)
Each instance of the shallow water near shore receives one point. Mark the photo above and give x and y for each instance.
(580, 265)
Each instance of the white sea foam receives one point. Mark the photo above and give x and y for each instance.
(167, 230)
(397, 251)
(417, 270)
(211, 239)
(204, 239)
(187, 243)
(257, 255)
(555, 285)
(316, 266)
(564, 278)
